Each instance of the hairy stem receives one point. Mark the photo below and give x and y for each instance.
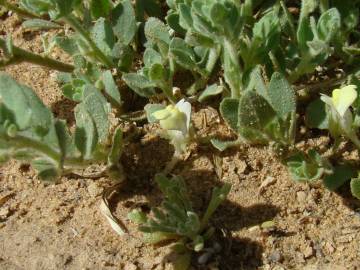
(19, 55)
(232, 68)
(75, 24)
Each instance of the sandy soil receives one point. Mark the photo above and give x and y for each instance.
(59, 226)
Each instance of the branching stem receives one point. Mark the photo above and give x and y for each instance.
(19, 55)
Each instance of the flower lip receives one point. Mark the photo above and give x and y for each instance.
(175, 117)
(341, 99)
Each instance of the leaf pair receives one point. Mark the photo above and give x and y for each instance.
(263, 113)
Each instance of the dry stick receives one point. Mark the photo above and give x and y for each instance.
(19, 55)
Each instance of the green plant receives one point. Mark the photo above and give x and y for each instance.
(308, 167)
(176, 220)
(30, 133)
(263, 114)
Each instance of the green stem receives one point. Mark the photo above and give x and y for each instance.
(75, 24)
(21, 12)
(324, 5)
(232, 68)
(25, 142)
(167, 90)
(20, 55)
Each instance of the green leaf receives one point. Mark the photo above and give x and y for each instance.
(116, 148)
(103, 36)
(173, 21)
(111, 88)
(281, 96)
(46, 169)
(254, 112)
(157, 73)
(86, 136)
(355, 187)
(341, 175)
(229, 109)
(152, 57)
(97, 106)
(210, 91)
(100, 8)
(150, 109)
(26, 107)
(124, 22)
(156, 31)
(39, 24)
(140, 84)
(67, 44)
(267, 31)
(223, 145)
(183, 54)
(316, 116)
(329, 24)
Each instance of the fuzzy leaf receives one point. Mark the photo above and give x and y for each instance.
(355, 187)
(229, 109)
(139, 83)
(183, 54)
(341, 175)
(103, 36)
(111, 88)
(329, 24)
(39, 24)
(210, 91)
(96, 105)
(316, 116)
(100, 8)
(124, 22)
(25, 105)
(86, 136)
(281, 95)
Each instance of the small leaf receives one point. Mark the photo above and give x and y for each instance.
(86, 136)
(39, 24)
(183, 54)
(140, 84)
(355, 187)
(282, 96)
(124, 22)
(229, 109)
(210, 91)
(150, 109)
(316, 116)
(103, 36)
(341, 175)
(329, 24)
(100, 8)
(116, 148)
(156, 31)
(223, 145)
(111, 88)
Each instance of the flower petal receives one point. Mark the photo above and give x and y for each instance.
(343, 98)
(185, 107)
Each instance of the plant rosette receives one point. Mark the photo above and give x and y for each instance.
(340, 115)
(175, 121)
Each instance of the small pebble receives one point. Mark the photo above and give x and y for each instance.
(301, 196)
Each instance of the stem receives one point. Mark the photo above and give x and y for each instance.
(167, 90)
(21, 12)
(20, 55)
(290, 20)
(25, 142)
(232, 68)
(75, 24)
(324, 5)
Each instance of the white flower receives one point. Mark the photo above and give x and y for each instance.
(176, 121)
(341, 118)
(341, 99)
